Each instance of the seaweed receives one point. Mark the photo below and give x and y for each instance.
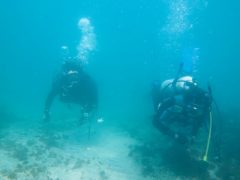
(103, 175)
(21, 153)
(175, 159)
(229, 166)
(179, 160)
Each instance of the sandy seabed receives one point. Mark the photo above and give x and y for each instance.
(44, 152)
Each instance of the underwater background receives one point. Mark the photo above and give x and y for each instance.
(126, 46)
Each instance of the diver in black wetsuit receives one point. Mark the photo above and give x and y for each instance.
(73, 85)
(181, 108)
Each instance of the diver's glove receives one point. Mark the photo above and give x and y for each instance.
(46, 115)
(84, 118)
(182, 139)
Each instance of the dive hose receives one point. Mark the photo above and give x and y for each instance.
(205, 157)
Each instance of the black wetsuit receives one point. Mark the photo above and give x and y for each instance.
(186, 110)
(74, 86)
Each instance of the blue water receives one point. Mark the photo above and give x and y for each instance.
(136, 43)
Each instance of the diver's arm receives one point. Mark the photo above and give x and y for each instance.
(156, 94)
(50, 98)
(91, 94)
(48, 104)
(89, 108)
(164, 105)
(206, 108)
(164, 128)
(163, 120)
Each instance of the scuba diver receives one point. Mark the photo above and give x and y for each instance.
(73, 86)
(181, 108)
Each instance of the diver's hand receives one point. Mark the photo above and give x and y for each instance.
(181, 138)
(84, 118)
(46, 115)
(86, 115)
